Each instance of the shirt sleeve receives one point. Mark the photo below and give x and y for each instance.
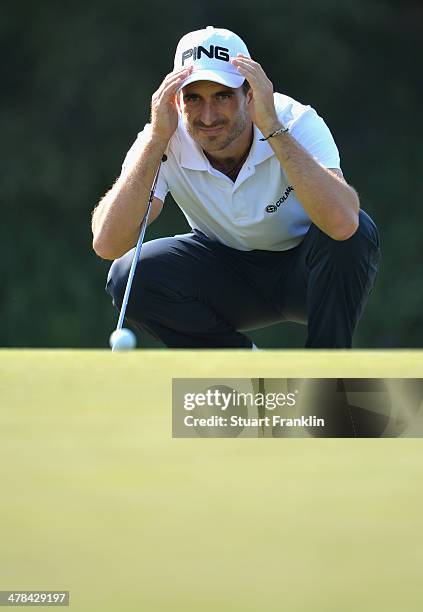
(162, 186)
(314, 135)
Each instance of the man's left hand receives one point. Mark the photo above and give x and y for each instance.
(261, 106)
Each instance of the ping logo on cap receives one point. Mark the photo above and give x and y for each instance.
(216, 52)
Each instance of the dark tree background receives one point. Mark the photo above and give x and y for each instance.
(76, 81)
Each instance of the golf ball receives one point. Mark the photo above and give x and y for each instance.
(122, 340)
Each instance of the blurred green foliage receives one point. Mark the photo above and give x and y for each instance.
(76, 81)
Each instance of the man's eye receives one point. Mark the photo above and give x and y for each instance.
(224, 96)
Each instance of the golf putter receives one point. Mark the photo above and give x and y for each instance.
(137, 251)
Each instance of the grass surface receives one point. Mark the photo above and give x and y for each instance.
(97, 498)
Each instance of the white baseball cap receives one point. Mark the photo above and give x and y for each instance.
(209, 51)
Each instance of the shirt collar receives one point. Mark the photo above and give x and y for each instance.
(193, 158)
(191, 155)
(260, 150)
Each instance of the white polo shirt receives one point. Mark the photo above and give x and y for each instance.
(260, 210)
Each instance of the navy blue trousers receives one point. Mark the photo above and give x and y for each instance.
(193, 292)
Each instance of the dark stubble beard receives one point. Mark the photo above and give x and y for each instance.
(219, 141)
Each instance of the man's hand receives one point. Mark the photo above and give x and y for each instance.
(262, 106)
(164, 113)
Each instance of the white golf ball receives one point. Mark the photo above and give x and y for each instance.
(123, 340)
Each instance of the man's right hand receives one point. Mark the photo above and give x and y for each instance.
(164, 113)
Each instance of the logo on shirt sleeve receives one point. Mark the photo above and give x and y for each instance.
(271, 208)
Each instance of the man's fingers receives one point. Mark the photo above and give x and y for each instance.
(252, 71)
(247, 63)
(172, 86)
(246, 59)
(248, 71)
(173, 79)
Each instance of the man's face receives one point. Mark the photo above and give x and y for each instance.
(214, 115)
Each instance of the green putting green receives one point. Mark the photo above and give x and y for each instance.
(98, 499)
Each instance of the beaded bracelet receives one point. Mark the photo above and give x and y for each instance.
(280, 131)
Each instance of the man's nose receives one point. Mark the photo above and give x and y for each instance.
(208, 113)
